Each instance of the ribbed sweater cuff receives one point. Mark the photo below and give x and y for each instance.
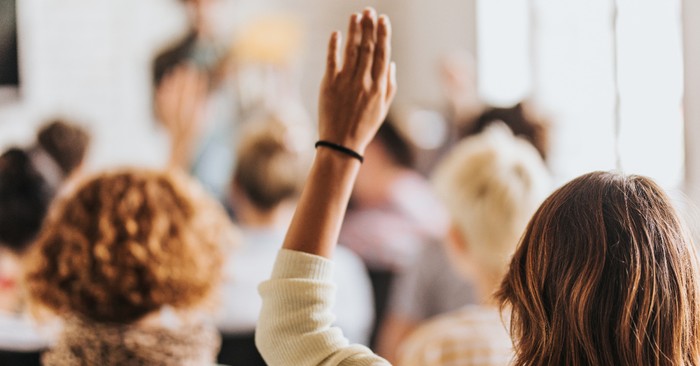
(295, 264)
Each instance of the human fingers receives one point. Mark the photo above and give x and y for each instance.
(332, 59)
(382, 52)
(369, 38)
(352, 44)
(392, 86)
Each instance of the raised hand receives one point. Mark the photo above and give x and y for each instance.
(180, 101)
(356, 91)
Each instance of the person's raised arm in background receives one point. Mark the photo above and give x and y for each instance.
(294, 326)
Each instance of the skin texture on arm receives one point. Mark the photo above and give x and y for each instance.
(354, 100)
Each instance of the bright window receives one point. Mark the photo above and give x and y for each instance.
(575, 58)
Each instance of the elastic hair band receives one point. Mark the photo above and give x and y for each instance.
(340, 148)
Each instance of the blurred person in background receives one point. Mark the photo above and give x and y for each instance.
(213, 80)
(128, 260)
(491, 184)
(190, 98)
(29, 180)
(273, 159)
(416, 296)
(393, 213)
(429, 287)
(471, 115)
(66, 144)
(24, 199)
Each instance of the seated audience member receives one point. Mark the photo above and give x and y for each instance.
(393, 214)
(24, 199)
(415, 296)
(66, 144)
(430, 287)
(128, 259)
(491, 184)
(604, 274)
(472, 116)
(393, 208)
(29, 180)
(265, 186)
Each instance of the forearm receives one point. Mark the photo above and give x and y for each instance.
(321, 208)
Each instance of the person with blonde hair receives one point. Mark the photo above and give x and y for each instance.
(491, 184)
(128, 260)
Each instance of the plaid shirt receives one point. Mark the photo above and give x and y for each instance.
(472, 336)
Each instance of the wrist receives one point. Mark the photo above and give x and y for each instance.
(349, 152)
(336, 157)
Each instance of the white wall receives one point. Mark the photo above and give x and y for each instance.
(90, 60)
(691, 34)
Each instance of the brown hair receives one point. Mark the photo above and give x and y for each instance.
(269, 169)
(604, 275)
(65, 143)
(520, 119)
(127, 243)
(24, 199)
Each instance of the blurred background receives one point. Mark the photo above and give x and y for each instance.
(609, 75)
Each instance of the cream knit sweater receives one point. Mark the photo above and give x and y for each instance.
(294, 328)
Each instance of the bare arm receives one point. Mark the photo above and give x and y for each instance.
(295, 325)
(354, 100)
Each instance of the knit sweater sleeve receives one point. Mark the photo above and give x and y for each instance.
(295, 321)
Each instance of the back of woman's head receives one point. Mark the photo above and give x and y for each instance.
(24, 199)
(270, 167)
(125, 244)
(521, 119)
(65, 143)
(604, 275)
(397, 146)
(491, 184)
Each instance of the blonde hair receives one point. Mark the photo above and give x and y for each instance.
(491, 184)
(125, 244)
(270, 167)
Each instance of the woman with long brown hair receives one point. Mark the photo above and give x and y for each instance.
(604, 275)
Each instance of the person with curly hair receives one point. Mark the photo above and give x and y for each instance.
(128, 260)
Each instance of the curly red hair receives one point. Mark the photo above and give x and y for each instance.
(125, 244)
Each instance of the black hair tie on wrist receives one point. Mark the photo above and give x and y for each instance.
(340, 148)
